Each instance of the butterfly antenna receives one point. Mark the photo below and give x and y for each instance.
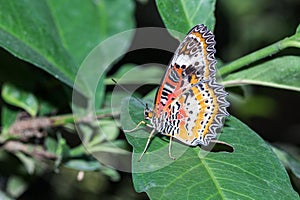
(123, 88)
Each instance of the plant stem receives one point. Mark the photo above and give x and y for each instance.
(70, 118)
(34, 124)
(293, 41)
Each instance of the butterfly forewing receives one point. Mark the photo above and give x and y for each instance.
(192, 62)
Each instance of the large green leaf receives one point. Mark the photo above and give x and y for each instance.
(57, 35)
(182, 15)
(252, 171)
(282, 72)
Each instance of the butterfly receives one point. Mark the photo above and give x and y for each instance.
(190, 104)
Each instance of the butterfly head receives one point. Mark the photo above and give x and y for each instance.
(148, 114)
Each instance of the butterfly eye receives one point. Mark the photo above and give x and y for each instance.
(148, 114)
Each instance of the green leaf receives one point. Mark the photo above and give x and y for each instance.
(90, 77)
(92, 165)
(4, 196)
(127, 74)
(62, 149)
(108, 131)
(16, 186)
(281, 72)
(51, 145)
(8, 117)
(100, 93)
(298, 29)
(83, 165)
(46, 108)
(112, 99)
(252, 171)
(182, 15)
(20, 98)
(116, 147)
(112, 173)
(57, 35)
(89, 133)
(62, 146)
(289, 161)
(28, 162)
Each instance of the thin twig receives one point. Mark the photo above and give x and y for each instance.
(32, 150)
(31, 127)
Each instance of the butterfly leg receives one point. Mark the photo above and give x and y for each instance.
(147, 144)
(135, 128)
(170, 145)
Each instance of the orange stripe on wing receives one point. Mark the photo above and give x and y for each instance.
(216, 108)
(200, 116)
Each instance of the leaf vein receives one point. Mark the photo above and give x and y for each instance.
(213, 178)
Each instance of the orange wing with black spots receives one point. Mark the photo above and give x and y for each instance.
(190, 105)
(205, 106)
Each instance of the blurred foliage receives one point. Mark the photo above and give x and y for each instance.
(44, 43)
(253, 24)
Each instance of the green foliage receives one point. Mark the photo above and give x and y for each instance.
(41, 133)
(289, 161)
(128, 74)
(280, 72)
(220, 175)
(20, 98)
(183, 15)
(55, 36)
(40, 32)
(8, 117)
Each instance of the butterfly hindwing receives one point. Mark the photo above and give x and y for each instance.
(200, 112)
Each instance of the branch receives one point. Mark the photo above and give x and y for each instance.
(292, 41)
(32, 127)
(32, 150)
